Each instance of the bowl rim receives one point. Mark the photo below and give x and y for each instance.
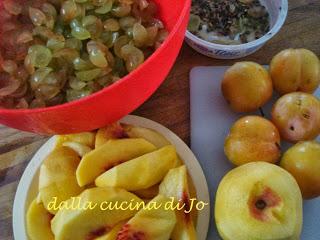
(185, 11)
(258, 42)
(28, 179)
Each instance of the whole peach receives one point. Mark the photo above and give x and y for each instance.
(246, 86)
(252, 139)
(303, 162)
(295, 70)
(297, 116)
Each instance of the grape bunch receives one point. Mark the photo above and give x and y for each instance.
(58, 51)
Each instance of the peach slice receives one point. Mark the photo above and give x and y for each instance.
(79, 222)
(85, 138)
(112, 235)
(79, 148)
(258, 201)
(112, 131)
(109, 155)
(57, 177)
(38, 222)
(175, 184)
(148, 193)
(150, 223)
(142, 172)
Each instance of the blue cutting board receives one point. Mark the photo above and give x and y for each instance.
(211, 119)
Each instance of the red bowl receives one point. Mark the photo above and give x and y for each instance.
(117, 100)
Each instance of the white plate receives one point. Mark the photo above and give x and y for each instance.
(28, 185)
(211, 119)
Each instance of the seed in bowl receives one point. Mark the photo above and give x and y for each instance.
(59, 51)
(229, 22)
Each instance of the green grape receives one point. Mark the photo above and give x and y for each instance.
(81, 1)
(152, 34)
(49, 10)
(99, 3)
(121, 10)
(119, 67)
(88, 6)
(28, 65)
(129, 32)
(80, 33)
(75, 84)
(75, 23)
(24, 37)
(88, 75)
(95, 29)
(80, 64)
(112, 25)
(9, 66)
(40, 56)
(109, 38)
(69, 54)
(43, 32)
(55, 44)
(97, 58)
(127, 22)
(68, 10)
(37, 103)
(140, 35)
(39, 76)
(37, 16)
(133, 57)
(119, 43)
(194, 23)
(12, 7)
(89, 20)
(47, 92)
(73, 95)
(105, 8)
(74, 43)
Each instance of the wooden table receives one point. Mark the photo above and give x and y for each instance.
(168, 106)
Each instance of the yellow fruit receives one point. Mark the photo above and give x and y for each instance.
(148, 193)
(109, 155)
(79, 148)
(295, 70)
(57, 177)
(150, 135)
(80, 223)
(258, 201)
(142, 172)
(112, 235)
(175, 185)
(246, 86)
(152, 223)
(112, 131)
(252, 139)
(38, 222)
(297, 116)
(303, 162)
(85, 138)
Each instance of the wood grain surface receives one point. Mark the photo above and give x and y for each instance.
(168, 106)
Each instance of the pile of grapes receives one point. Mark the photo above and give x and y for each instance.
(58, 51)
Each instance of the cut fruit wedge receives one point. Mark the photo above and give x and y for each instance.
(38, 222)
(82, 222)
(175, 185)
(109, 155)
(150, 223)
(57, 179)
(142, 172)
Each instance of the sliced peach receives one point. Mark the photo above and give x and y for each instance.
(109, 155)
(57, 177)
(142, 172)
(112, 131)
(112, 235)
(85, 138)
(175, 184)
(38, 222)
(150, 223)
(81, 222)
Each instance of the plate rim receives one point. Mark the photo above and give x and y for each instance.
(194, 168)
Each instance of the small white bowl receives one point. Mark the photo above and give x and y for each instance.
(278, 10)
(28, 185)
